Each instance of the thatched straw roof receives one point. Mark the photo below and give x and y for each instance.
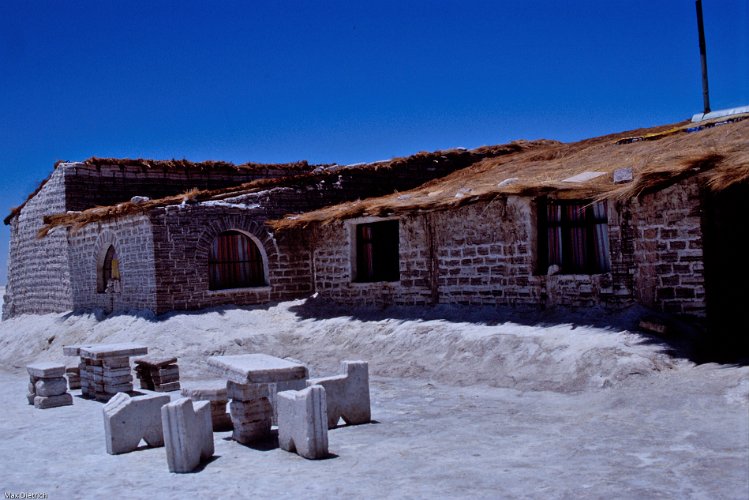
(717, 150)
(300, 166)
(458, 158)
(144, 164)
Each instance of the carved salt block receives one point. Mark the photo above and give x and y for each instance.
(188, 434)
(347, 395)
(127, 420)
(303, 422)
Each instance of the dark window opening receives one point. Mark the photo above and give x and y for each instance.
(377, 252)
(109, 274)
(573, 235)
(234, 261)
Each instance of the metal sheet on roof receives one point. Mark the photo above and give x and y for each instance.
(584, 177)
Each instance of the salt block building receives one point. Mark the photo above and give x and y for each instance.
(124, 235)
(653, 216)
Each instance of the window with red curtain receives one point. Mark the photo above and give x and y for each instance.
(377, 254)
(234, 261)
(573, 235)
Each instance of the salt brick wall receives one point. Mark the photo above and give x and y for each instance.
(89, 186)
(333, 271)
(482, 253)
(38, 272)
(39, 279)
(182, 238)
(132, 239)
(668, 249)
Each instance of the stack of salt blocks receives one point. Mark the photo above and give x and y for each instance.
(160, 374)
(73, 373)
(48, 387)
(214, 391)
(105, 369)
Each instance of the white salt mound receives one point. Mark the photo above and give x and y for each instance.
(450, 344)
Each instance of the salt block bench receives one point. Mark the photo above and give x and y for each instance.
(214, 391)
(347, 394)
(251, 380)
(303, 422)
(188, 435)
(127, 420)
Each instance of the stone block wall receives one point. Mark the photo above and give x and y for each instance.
(92, 185)
(38, 271)
(133, 241)
(333, 266)
(484, 253)
(668, 249)
(182, 239)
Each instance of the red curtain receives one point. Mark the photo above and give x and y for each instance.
(235, 262)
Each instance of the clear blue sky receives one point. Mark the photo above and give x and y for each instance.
(343, 81)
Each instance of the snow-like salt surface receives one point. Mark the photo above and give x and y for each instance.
(469, 402)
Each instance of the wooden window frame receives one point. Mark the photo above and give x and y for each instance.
(377, 251)
(109, 263)
(590, 222)
(229, 275)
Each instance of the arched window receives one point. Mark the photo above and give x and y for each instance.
(234, 261)
(109, 274)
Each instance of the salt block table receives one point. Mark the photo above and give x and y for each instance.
(105, 368)
(250, 377)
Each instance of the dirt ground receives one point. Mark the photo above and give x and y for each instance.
(661, 427)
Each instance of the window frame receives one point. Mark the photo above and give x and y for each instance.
(259, 262)
(589, 221)
(383, 270)
(107, 269)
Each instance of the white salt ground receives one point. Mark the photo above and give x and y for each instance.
(470, 402)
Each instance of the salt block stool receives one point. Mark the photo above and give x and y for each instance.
(214, 391)
(303, 422)
(127, 420)
(188, 434)
(347, 395)
(47, 385)
(158, 373)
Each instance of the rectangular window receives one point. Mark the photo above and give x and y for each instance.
(573, 235)
(377, 252)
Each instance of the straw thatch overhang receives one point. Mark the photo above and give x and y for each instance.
(299, 166)
(459, 158)
(717, 151)
(144, 164)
